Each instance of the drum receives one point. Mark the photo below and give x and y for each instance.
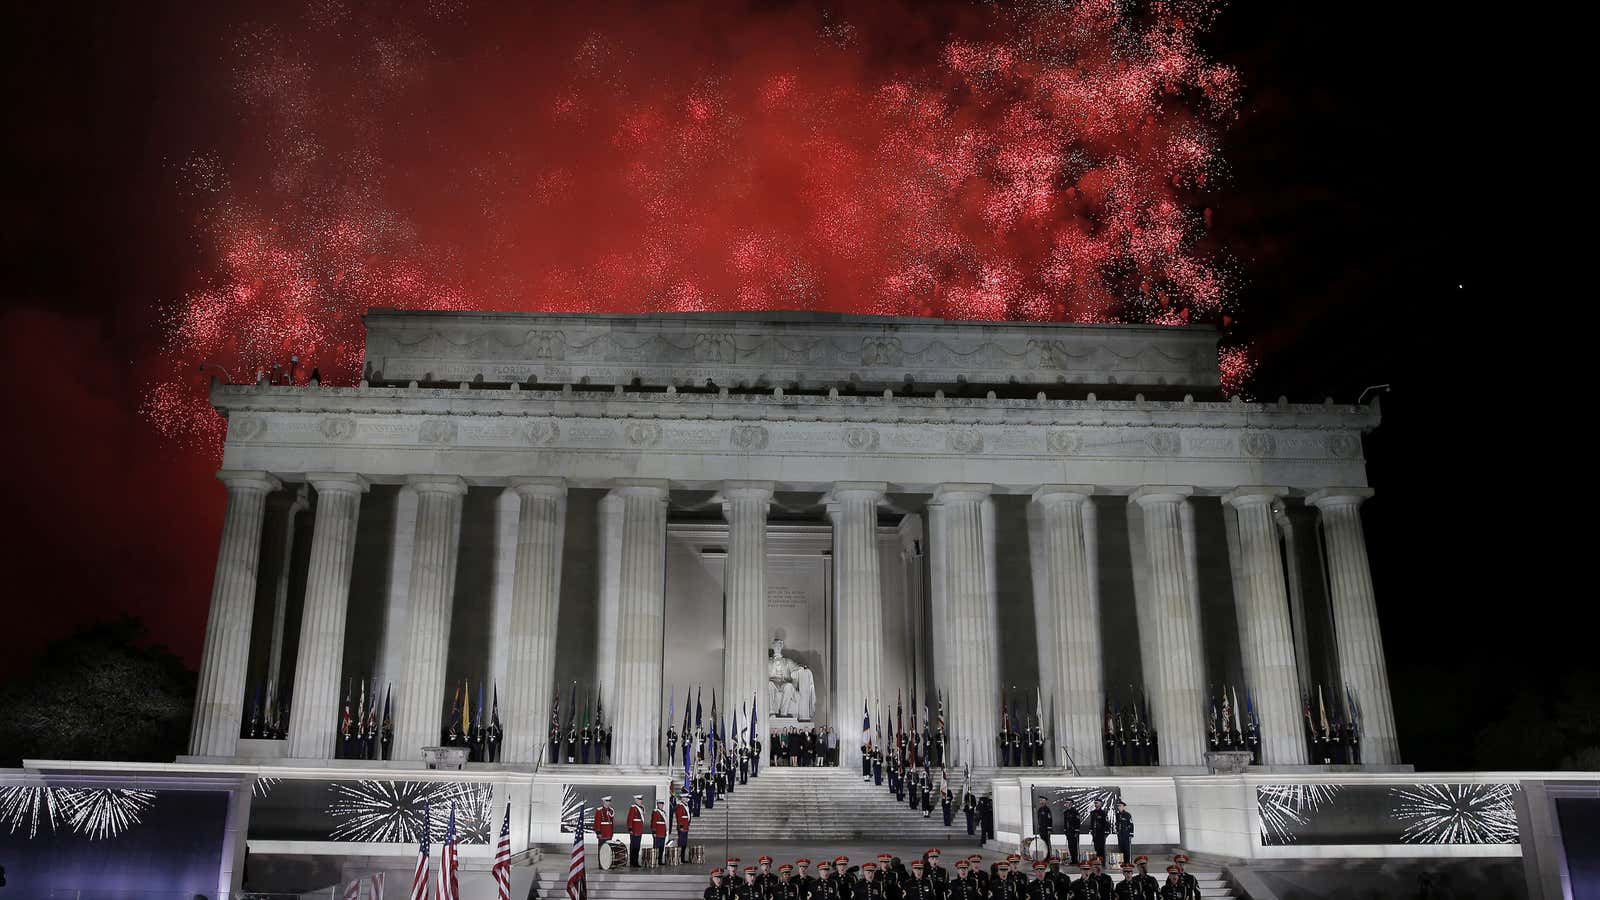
(647, 857)
(697, 853)
(1035, 849)
(618, 851)
(671, 857)
(604, 852)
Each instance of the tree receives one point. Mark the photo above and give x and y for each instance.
(99, 694)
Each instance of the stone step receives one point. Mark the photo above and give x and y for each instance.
(665, 884)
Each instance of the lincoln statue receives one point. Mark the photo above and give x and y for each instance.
(791, 691)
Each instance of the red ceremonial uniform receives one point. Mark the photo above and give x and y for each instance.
(658, 823)
(605, 823)
(683, 816)
(635, 820)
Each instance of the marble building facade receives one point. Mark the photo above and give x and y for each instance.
(636, 504)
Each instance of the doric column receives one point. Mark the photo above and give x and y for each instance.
(280, 600)
(1266, 640)
(641, 618)
(535, 604)
(1175, 675)
(1066, 611)
(971, 680)
(419, 689)
(608, 577)
(219, 703)
(858, 600)
(744, 584)
(314, 705)
(1357, 638)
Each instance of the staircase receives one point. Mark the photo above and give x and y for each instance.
(660, 885)
(820, 804)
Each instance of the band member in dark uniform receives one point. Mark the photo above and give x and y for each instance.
(1190, 883)
(1147, 887)
(1004, 886)
(827, 885)
(748, 889)
(1041, 887)
(1099, 827)
(986, 816)
(786, 887)
(1072, 826)
(1044, 823)
(1173, 888)
(764, 874)
(969, 805)
(1124, 825)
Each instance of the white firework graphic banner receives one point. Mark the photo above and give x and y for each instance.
(1081, 797)
(1391, 814)
(571, 808)
(1286, 807)
(95, 813)
(391, 812)
(1457, 813)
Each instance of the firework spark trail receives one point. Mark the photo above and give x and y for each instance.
(1084, 798)
(1457, 813)
(1284, 807)
(390, 811)
(102, 813)
(20, 805)
(1051, 160)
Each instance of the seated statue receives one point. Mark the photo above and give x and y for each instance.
(791, 690)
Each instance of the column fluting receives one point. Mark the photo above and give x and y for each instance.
(1066, 610)
(641, 619)
(219, 702)
(419, 694)
(1266, 639)
(858, 604)
(535, 606)
(1177, 696)
(971, 682)
(744, 580)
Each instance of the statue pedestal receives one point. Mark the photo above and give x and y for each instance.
(778, 723)
(1228, 762)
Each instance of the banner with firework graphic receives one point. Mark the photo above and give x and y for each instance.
(1440, 814)
(377, 811)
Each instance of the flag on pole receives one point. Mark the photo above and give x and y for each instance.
(866, 724)
(577, 880)
(940, 695)
(449, 889)
(697, 707)
(352, 891)
(502, 859)
(753, 722)
(419, 881)
(377, 886)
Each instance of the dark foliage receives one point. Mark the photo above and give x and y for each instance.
(99, 694)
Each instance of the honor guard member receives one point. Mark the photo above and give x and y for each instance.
(694, 789)
(786, 887)
(986, 816)
(1190, 883)
(635, 829)
(1041, 887)
(928, 797)
(748, 889)
(1099, 827)
(658, 831)
(1073, 826)
(975, 863)
(755, 757)
(708, 786)
(919, 886)
(846, 875)
(1127, 888)
(572, 742)
(555, 743)
(672, 744)
(680, 813)
(965, 884)
(870, 887)
(1172, 888)
(1148, 887)
(1103, 888)
(877, 767)
(886, 872)
(1003, 886)
(936, 871)
(764, 874)
(718, 889)
(1124, 826)
(744, 764)
(803, 877)
(947, 802)
(827, 886)
(605, 821)
(969, 805)
(587, 736)
(1044, 822)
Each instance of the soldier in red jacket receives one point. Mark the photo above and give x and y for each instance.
(681, 813)
(605, 820)
(658, 830)
(635, 829)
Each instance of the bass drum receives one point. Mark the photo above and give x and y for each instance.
(1034, 849)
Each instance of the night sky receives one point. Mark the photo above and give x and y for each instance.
(190, 184)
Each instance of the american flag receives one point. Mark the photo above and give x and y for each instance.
(577, 881)
(448, 863)
(502, 858)
(419, 881)
(377, 886)
(352, 891)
